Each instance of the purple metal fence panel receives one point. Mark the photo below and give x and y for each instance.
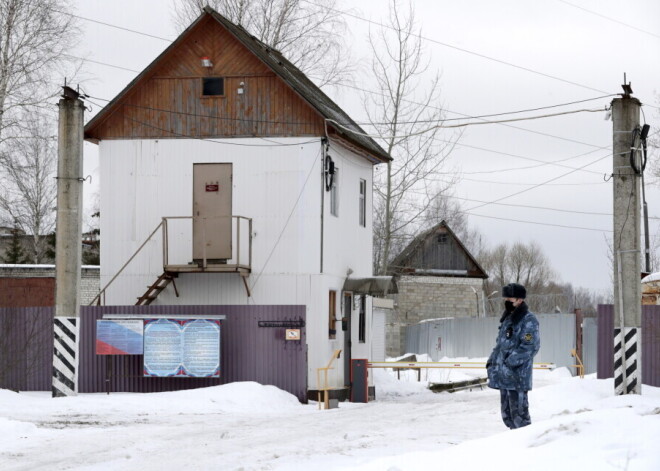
(605, 362)
(248, 352)
(650, 343)
(26, 348)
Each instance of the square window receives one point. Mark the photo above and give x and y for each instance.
(332, 314)
(213, 86)
(363, 203)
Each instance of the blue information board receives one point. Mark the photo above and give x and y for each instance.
(182, 347)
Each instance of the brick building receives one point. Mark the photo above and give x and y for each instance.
(34, 285)
(438, 277)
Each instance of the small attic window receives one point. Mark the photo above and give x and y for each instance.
(213, 86)
(442, 239)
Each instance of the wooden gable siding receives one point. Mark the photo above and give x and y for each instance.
(429, 253)
(436, 255)
(168, 102)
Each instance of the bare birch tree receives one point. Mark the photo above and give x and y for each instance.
(28, 188)
(443, 208)
(405, 115)
(523, 263)
(309, 35)
(35, 36)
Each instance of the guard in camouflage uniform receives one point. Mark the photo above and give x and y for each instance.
(510, 365)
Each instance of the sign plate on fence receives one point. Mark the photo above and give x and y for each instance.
(182, 347)
(286, 324)
(119, 337)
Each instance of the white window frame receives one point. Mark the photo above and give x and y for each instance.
(362, 211)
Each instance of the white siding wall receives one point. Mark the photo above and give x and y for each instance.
(145, 180)
(378, 339)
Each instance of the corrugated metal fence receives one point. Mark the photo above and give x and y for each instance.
(247, 352)
(475, 338)
(650, 343)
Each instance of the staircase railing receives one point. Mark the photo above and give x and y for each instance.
(237, 234)
(100, 297)
(97, 298)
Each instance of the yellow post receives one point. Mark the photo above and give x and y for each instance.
(323, 391)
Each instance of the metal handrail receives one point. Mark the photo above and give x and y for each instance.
(579, 367)
(204, 259)
(323, 392)
(102, 292)
(445, 364)
(100, 297)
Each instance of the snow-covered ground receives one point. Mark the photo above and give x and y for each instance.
(577, 425)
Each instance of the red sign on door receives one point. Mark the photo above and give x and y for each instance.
(211, 187)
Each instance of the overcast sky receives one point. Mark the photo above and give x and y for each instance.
(552, 38)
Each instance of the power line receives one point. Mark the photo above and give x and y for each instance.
(543, 163)
(490, 115)
(531, 184)
(536, 186)
(536, 223)
(115, 26)
(544, 208)
(451, 46)
(610, 19)
(441, 126)
(412, 102)
(102, 63)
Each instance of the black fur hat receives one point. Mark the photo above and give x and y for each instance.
(514, 290)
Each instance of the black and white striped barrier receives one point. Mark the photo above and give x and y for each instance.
(65, 357)
(626, 373)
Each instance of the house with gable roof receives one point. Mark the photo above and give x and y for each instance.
(437, 277)
(224, 181)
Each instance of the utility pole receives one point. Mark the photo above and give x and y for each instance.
(68, 249)
(626, 249)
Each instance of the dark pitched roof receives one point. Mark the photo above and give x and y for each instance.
(288, 72)
(407, 262)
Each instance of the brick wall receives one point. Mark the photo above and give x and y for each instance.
(430, 297)
(34, 285)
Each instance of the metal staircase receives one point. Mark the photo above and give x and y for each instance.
(155, 289)
(240, 262)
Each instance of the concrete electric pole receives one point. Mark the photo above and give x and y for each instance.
(626, 248)
(68, 249)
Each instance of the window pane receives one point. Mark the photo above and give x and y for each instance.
(362, 321)
(363, 203)
(332, 311)
(213, 86)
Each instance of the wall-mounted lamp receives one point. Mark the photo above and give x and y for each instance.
(206, 62)
(241, 88)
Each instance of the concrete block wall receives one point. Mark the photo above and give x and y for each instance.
(34, 285)
(430, 297)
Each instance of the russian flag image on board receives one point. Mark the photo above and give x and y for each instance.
(119, 337)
